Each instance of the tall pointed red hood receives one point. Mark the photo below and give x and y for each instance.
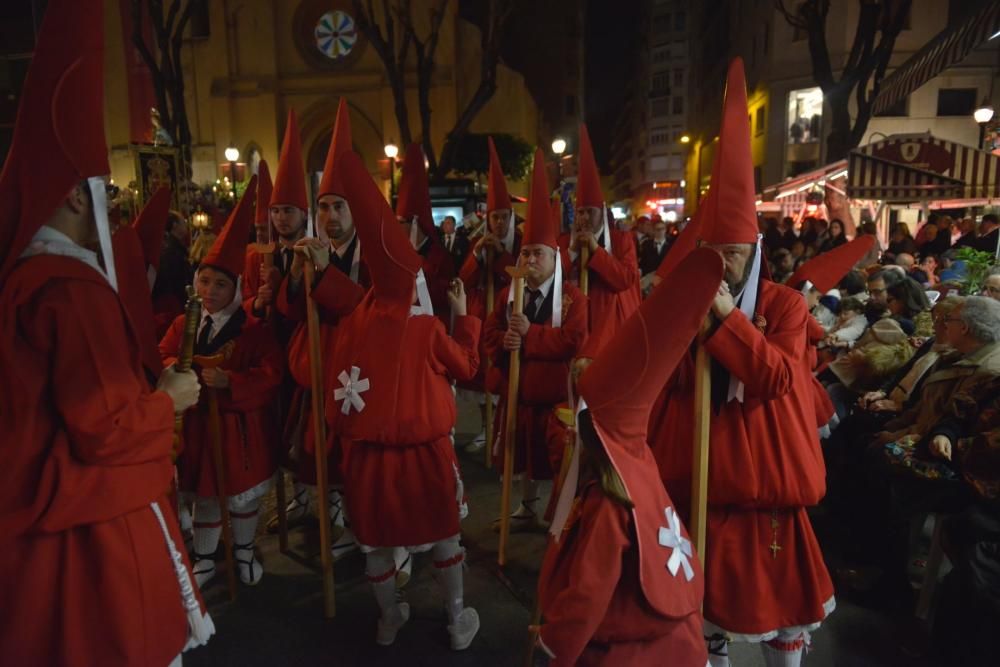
(229, 250)
(391, 260)
(539, 227)
(728, 212)
(150, 225)
(588, 179)
(826, 270)
(414, 191)
(340, 141)
(290, 180)
(497, 197)
(59, 133)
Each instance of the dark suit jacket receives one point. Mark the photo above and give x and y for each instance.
(649, 259)
(459, 249)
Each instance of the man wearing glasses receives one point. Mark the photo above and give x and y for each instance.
(991, 287)
(878, 294)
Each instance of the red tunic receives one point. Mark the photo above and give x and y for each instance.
(593, 605)
(546, 353)
(765, 464)
(88, 575)
(405, 485)
(249, 429)
(335, 295)
(613, 292)
(473, 275)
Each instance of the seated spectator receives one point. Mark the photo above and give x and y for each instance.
(901, 241)
(851, 323)
(989, 231)
(878, 290)
(969, 233)
(935, 242)
(798, 251)
(853, 284)
(823, 307)
(925, 273)
(836, 238)
(991, 286)
(822, 228)
(908, 304)
(782, 265)
(904, 260)
(809, 232)
(871, 258)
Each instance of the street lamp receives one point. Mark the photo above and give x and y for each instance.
(391, 151)
(983, 115)
(685, 139)
(232, 154)
(558, 146)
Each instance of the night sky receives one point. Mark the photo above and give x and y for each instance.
(612, 40)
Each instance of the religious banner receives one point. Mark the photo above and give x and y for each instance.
(156, 166)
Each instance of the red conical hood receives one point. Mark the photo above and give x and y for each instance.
(340, 141)
(588, 179)
(826, 270)
(414, 191)
(391, 260)
(619, 388)
(262, 210)
(497, 196)
(134, 290)
(538, 225)
(728, 212)
(290, 181)
(150, 225)
(230, 248)
(59, 133)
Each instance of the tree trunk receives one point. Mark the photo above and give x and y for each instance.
(839, 142)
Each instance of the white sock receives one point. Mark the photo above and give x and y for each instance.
(785, 650)
(448, 557)
(380, 568)
(718, 650)
(207, 527)
(244, 517)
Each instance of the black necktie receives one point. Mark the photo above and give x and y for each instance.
(531, 297)
(206, 332)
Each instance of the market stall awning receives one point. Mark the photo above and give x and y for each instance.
(949, 47)
(921, 167)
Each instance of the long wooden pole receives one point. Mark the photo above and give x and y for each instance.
(192, 318)
(319, 431)
(702, 417)
(490, 300)
(510, 421)
(584, 271)
(215, 425)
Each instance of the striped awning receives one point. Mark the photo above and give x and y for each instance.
(950, 46)
(909, 168)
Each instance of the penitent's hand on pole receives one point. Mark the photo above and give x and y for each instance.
(182, 387)
(457, 298)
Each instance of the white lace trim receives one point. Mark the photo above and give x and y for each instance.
(712, 628)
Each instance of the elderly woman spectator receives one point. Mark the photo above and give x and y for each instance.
(836, 238)
(991, 286)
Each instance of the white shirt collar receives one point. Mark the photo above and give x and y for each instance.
(221, 317)
(545, 287)
(342, 250)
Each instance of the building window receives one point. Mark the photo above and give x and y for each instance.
(678, 107)
(661, 108)
(758, 127)
(659, 163)
(680, 21)
(678, 77)
(956, 101)
(675, 162)
(900, 108)
(805, 115)
(661, 84)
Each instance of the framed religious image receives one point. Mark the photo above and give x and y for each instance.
(156, 166)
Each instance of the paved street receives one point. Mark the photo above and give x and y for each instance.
(280, 621)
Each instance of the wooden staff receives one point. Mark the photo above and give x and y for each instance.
(192, 318)
(510, 422)
(319, 432)
(490, 298)
(702, 416)
(265, 248)
(584, 271)
(215, 428)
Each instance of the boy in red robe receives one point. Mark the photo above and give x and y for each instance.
(503, 241)
(620, 584)
(766, 465)
(94, 572)
(613, 292)
(341, 281)
(246, 383)
(549, 333)
(393, 407)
